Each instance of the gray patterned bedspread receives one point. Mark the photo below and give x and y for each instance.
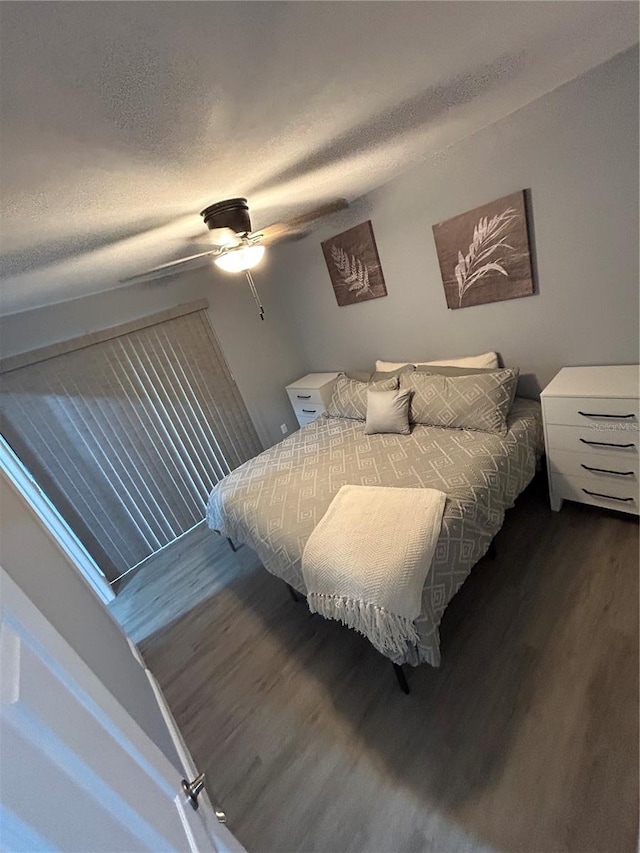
(273, 502)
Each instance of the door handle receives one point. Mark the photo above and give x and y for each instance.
(192, 789)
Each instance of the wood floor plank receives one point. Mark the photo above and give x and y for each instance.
(525, 739)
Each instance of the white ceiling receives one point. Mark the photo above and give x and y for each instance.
(126, 118)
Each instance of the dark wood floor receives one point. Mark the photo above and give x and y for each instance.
(525, 739)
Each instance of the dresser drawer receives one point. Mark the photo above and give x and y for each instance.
(600, 412)
(597, 467)
(592, 437)
(609, 441)
(620, 496)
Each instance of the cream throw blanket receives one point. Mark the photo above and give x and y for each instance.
(366, 561)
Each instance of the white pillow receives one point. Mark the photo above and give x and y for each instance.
(487, 359)
(388, 366)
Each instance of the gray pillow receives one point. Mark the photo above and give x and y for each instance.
(388, 411)
(379, 375)
(479, 401)
(446, 370)
(349, 398)
(359, 375)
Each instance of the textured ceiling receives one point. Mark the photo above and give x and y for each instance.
(120, 121)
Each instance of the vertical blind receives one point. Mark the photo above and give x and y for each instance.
(127, 435)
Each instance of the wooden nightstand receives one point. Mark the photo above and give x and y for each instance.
(310, 395)
(591, 436)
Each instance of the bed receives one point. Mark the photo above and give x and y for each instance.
(273, 502)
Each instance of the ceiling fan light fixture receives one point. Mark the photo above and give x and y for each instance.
(241, 259)
(231, 213)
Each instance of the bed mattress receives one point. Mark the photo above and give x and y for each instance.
(273, 502)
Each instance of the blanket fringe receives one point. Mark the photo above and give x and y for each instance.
(388, 632)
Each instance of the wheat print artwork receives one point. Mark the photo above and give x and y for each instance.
(354, 266)
(484, 254)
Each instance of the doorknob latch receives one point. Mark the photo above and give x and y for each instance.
(192, 789)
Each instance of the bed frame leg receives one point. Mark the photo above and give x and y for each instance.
(295, 595)
(492, 551)
(231, 545)
(402, 678)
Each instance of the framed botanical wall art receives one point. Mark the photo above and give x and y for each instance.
(354, 266)
(484, 254)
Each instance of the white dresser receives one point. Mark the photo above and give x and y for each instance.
(310, 395)
(591, 436)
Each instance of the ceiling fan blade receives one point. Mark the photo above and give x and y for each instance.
(170, 265)
(296, 227)
(318, 212)
(221, 237)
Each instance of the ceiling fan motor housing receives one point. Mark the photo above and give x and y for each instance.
(232, 213)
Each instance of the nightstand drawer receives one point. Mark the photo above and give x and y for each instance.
(306, 401)
(597, 439)
(600, 412)
(309, 413)
(307, 419)
(311, 395)
(620, 496)
(598, 467)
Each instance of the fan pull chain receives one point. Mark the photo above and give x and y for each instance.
(255, 293)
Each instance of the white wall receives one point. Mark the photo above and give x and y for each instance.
(35, 562)
(576, 149)
(260, 353)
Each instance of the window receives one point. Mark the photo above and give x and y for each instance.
(127, 430)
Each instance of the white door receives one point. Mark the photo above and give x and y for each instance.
(77, 773)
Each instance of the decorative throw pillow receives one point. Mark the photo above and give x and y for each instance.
(480, 401)
(388, 411)
(487, 359)
(349, 398)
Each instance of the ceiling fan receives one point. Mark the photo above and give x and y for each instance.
(234, 246)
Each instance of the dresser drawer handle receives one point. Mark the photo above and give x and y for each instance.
(605, 443)
(309, 411)
(303, 396)
(607, 471)
(609, 497)
(600, 415)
